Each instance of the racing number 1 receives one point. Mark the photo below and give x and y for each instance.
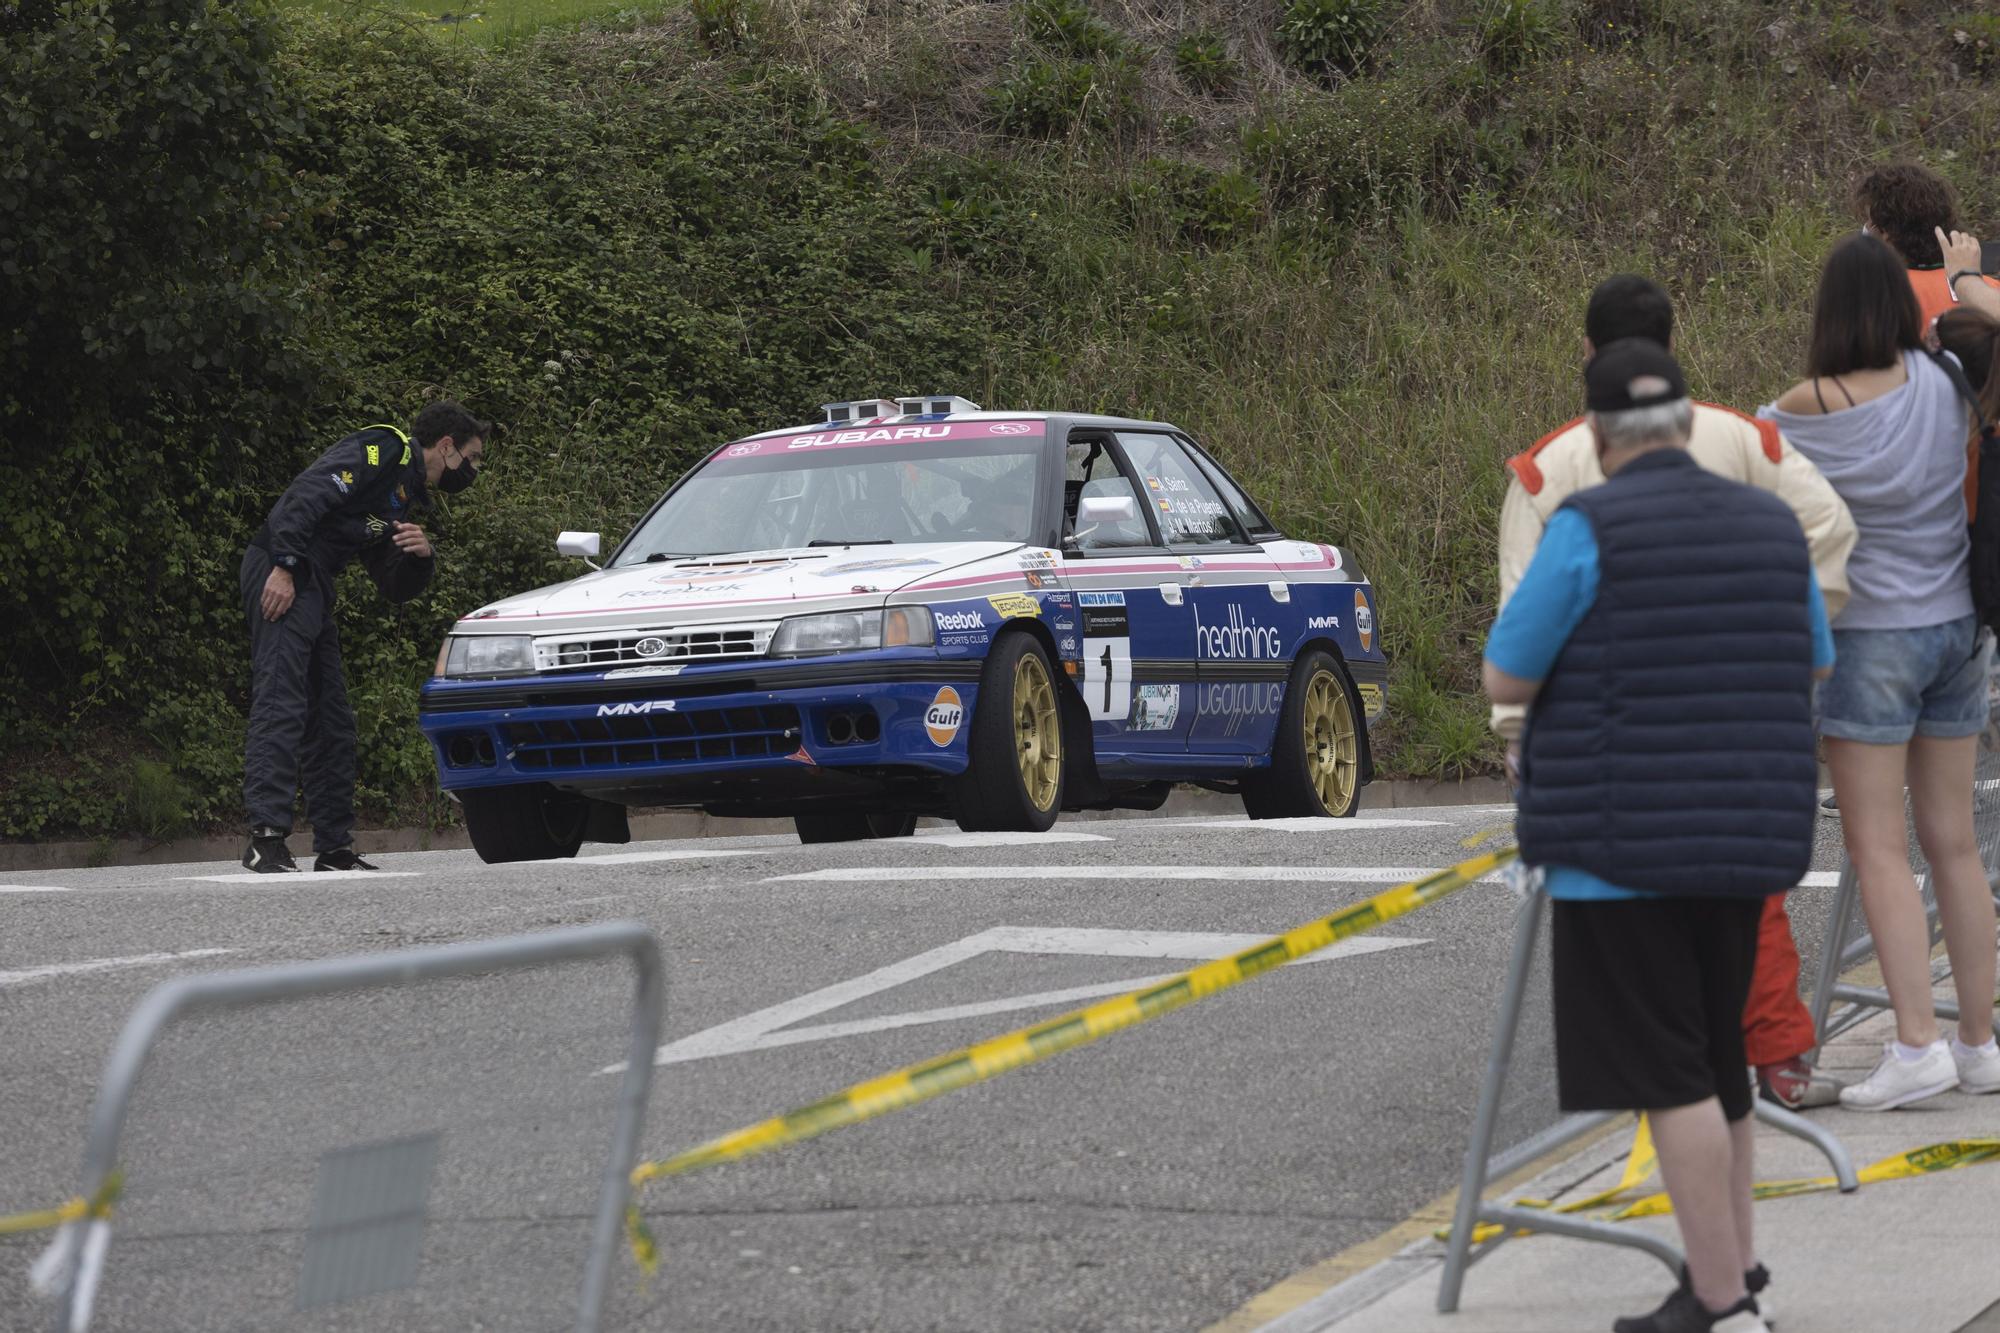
(1107, 652)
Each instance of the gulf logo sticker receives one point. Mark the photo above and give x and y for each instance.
(943, 717)
(1364, 621)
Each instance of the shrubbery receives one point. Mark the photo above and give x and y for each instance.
(1349, 256)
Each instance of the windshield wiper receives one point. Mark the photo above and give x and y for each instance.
(658, 556)
(848, 541)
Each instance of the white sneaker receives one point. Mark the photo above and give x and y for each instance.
(1899, 1082)
(1978, 1067)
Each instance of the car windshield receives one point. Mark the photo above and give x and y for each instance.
(764, 495)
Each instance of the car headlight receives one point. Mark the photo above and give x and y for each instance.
(850, 631)
(489, 655)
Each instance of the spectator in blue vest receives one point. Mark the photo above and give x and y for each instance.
(1666, 637)
(1906, 705)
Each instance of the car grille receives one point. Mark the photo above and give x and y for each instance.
(653, 647)
(689, 736)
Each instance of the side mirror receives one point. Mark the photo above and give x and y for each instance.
(579, 545)
(1107, 509)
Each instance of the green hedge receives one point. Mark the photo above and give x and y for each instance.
(233, 235)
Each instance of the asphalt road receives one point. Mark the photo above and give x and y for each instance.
(1153, 1181)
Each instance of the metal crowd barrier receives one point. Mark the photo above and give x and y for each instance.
(366, 1193)
(1481, 1165)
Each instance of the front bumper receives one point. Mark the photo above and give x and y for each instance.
(686, 735)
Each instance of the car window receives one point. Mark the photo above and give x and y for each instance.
(1188, 507)
(1247, 512)
(1092, 473)
(947, 491)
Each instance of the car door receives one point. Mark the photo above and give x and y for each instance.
(1135, 674)
(1243, 630)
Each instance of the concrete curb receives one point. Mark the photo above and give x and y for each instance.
(1186, 802)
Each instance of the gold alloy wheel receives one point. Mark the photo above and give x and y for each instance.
(1037, 731)
(1333, 759)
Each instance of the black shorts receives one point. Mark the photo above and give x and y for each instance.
(1649, 996)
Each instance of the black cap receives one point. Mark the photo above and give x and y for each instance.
(1632, 373)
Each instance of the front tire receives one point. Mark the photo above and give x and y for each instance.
(1014, 780)
(532, 822)
(853, 826)
(1315, 770)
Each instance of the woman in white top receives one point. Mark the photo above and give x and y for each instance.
(1907, 699)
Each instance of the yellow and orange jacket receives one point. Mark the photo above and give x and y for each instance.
(1725, 442)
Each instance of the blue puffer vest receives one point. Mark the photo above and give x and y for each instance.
(1671, 747)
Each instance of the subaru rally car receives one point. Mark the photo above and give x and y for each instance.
(917, 608)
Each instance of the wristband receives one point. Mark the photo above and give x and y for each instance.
(1963, 273)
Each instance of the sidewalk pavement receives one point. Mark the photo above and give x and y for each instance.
(1920, 1255)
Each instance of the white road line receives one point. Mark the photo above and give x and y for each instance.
(27, 975)
(760, 1030)
(32, 888)
(1302, 874)
(280, 880)
(641, 858)
(1310, 825)
(946, 838)
(1818, 879)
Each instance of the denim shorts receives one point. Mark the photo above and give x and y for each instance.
(1891, 684)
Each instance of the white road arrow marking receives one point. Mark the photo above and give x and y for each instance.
(772, 1027)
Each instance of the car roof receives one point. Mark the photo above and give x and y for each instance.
(1074, 418)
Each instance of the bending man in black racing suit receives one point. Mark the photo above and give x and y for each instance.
(349, 504)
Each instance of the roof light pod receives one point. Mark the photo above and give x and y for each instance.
(935, 403)
(861, 409)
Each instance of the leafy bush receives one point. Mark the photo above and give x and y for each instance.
(156, 804)
(1205, 65)
(148, 379)
(1360, 156)
(1070, 27)
(1332, 36)
(729, 25)
(1193, 204)
(1047, 99)
(1514, 34)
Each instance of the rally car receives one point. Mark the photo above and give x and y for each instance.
(917, 608)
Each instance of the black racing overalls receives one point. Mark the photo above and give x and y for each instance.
(338, 509)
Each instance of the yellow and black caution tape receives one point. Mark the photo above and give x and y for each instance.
(1925, 1161)
(1928, 1160)
(1026, 1046)
(1639, 1164)
(71, 1210)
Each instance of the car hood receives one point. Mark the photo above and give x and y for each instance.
(759, 585)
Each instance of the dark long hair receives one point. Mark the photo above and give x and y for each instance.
(1973, 336)
(1865, 315)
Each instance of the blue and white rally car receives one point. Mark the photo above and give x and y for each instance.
(918, 608)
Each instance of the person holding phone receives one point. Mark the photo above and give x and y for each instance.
(353, 502)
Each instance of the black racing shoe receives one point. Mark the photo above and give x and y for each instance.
(1756, 1281)
(267, 853)
(341, 858)
(1682, 1312)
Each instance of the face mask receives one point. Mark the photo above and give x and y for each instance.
(458, 477)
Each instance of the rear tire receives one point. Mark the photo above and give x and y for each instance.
(532, 822)
(1014, 780)
(1315, 770)
(853, 826)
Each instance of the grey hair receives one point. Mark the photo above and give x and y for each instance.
(1662, 423)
